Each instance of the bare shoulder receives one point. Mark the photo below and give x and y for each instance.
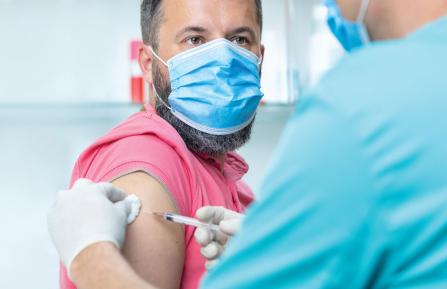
(153, 247)
(151, 191)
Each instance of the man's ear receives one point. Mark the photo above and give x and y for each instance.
(146, 57)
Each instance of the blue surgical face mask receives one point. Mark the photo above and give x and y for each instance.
(215, 88)
(350, 34)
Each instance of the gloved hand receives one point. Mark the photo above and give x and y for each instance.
(213, 243)
(87, 214)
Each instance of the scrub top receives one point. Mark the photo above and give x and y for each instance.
(357, 194)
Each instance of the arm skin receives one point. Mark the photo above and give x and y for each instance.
(153, 248)
(101, 266)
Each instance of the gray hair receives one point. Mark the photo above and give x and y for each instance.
(151, 18)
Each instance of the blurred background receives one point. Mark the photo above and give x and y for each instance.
(67, 77)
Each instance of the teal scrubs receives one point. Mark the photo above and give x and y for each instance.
(357, 194)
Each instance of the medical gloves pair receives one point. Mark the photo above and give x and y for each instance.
(213, 243)
(90, 213)
(102, 214)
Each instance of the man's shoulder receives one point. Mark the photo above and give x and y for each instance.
(383, 76)
(142, 133)
(391, 60)
(144, 123)
(142, 139)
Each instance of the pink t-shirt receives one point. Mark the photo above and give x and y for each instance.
(146, 142)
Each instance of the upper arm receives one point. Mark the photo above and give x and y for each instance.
(153, 247)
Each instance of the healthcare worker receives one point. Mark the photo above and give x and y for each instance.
(357, 194)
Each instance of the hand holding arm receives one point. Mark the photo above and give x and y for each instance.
(87, 214)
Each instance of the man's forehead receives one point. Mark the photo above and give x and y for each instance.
(211, 14)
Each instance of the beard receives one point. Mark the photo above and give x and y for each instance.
(196, 140)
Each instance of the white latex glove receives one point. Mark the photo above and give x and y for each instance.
(87, 214)
(213, 244)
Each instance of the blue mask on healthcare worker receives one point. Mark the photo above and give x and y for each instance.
(215, 88)
(350, 34)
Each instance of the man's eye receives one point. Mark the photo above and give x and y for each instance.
(240, 40)
(194, 41)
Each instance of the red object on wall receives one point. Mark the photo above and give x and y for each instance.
(137, 86)
(137, 89)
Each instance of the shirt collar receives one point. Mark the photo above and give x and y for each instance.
(234, 168)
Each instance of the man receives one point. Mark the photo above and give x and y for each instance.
(357, 195)
(202, 61)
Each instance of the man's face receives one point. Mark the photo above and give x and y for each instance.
(187, 24)
(190, 23)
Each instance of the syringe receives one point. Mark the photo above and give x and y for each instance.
(184, 220)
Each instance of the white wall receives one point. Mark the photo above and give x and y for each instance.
(66, 50)
(277, 64)
(312, 47)
(78, 50)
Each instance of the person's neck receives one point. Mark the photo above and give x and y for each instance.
(397, 19)
(221, 160)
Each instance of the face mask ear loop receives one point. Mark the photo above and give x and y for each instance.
(361, 18)
(363, 10)
(162, 101)
(153, 86)
(261, 58)
(158, 57)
